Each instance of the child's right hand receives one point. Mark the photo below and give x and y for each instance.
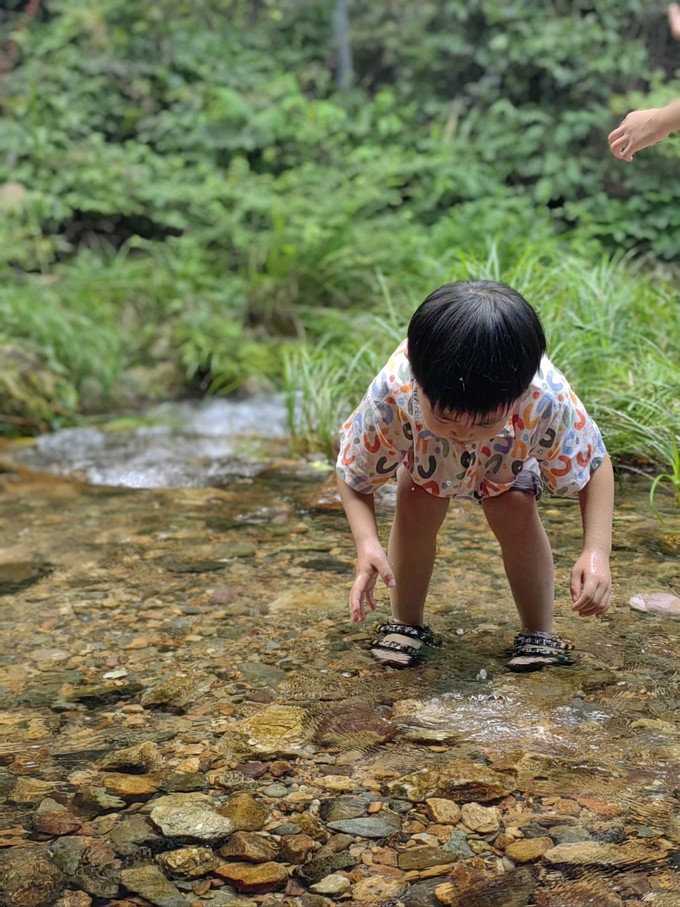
(371, 563)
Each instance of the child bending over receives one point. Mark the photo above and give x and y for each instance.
(468, 406)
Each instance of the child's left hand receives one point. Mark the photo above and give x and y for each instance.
(591, 583)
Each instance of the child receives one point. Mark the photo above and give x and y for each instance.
(468, 406)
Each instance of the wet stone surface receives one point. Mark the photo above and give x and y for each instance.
(187, 718)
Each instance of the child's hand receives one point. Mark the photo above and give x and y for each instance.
(371, 563)
(591, 583)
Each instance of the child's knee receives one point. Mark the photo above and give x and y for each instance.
(515, 504)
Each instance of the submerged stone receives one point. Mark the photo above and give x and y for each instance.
(28, 878)
(663, 603)
(150, 883)
(192, 821)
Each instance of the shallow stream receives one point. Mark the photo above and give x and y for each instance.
(207, 621)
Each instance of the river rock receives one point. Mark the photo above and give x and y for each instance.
(443, 812)
(52, 818)
(247, 813)
(482, 819)
(526, 850)
(332, 884)
(132, 834)
(341, 808)
(130, 787)
(377, 890)
(461, 778)
(663, 603)
(29, 791)
(143, 757)
(457, 845)
(192, 821)
(295, 848)
(568, 834)
(381, 825)
(320, 866)
(150, 883)
(188, 862)
(254, 878)
(280, 730)
(99, 870)
(67, 852)
(591, 892)
(250, 847)
(72, 898)
(28, 878)
(353, 725)
(593, 853)
(178, 691)
(423, 857)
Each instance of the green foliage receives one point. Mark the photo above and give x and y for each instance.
(673, 477)
(183, 182)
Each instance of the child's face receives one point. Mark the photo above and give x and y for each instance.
(461, 428)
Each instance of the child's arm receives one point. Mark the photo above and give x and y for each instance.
(371, 557)
(591, 584)
(643, 128)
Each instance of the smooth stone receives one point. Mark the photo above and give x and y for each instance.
(379, 826)
(52, 818)
(594, 853)
(132, 834)
(184, 782)
(252, 848)
(457, 845)
(526, 850)
(150, 883)
(423, 857)
(568, 834)
(664, 603)
(67, 852)
(259, 672)
(443, 812)
(275, 791)
(177, 692)
(376, 890)
(342, 808)
(332, 884)
(319, 867)
(28, 878)
(139, 758)
(192, 821)
(279, 730)
(246, 813)
(188, 862)
(130, 787)
(254, 878)
(482, 819)
(461, 779)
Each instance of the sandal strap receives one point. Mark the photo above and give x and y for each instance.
(416, 631)
(547, 641)
(402, 647)
(540, 652)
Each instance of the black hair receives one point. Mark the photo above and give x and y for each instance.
(474, 347)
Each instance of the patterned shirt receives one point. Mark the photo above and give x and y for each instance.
(549, 424)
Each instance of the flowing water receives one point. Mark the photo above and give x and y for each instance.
(210, 619)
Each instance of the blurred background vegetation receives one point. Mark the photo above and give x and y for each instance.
(197, 194)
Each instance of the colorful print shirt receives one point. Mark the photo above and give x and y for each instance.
(548, 425)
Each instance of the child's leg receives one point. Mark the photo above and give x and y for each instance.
(674, 20)
(527, 557)
(411, 552)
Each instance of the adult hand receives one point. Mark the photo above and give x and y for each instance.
(591, 583)
(371, 563)
(639, 130)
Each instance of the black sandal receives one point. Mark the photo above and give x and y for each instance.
(413, 654)
(535, 651)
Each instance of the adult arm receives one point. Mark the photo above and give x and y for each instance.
(643, 128)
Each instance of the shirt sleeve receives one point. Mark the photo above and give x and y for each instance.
(374, 440)
(568, 443)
